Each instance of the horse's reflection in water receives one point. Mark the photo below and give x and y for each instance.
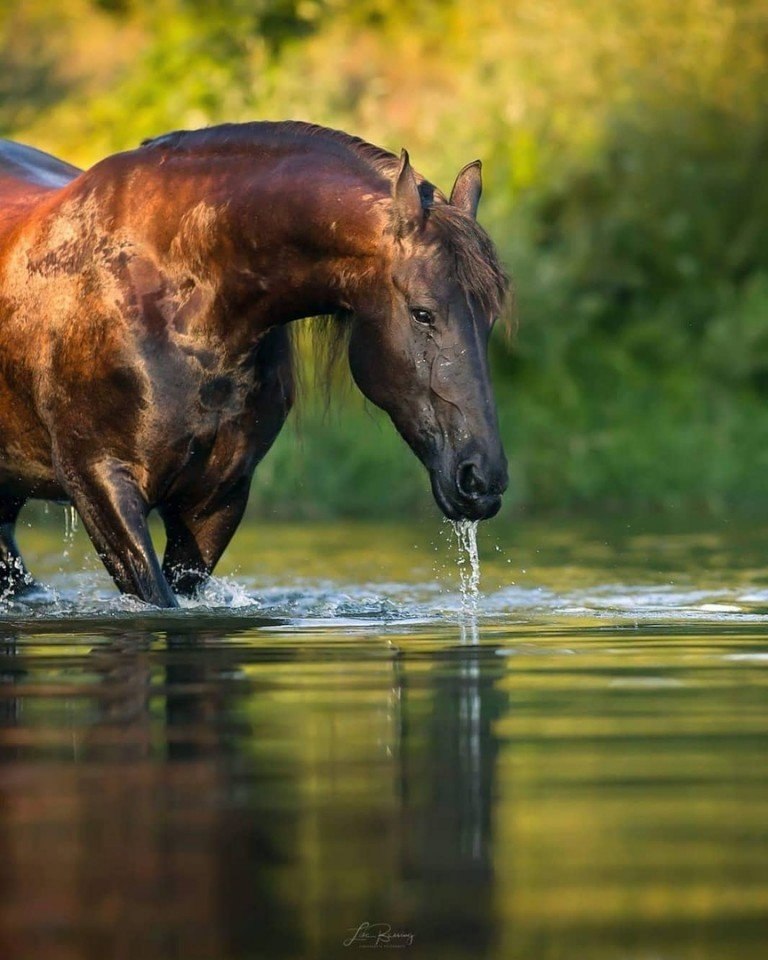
(448, 781)
(138, 848)
(182, 819)
(195, 822)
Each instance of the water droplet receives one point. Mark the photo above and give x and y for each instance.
(70, 527)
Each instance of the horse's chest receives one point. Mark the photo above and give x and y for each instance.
(202, 425)
(219, 412)
(194, 391)
(223, 396)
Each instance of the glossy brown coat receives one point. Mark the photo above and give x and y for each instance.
(145, 361)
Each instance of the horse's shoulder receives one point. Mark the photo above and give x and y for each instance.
(32, 166)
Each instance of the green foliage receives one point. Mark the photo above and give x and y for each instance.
(625, 150)
(342, 461)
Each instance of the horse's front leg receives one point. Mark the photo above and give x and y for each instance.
(114, 513)
(14, 576)
(198, 535)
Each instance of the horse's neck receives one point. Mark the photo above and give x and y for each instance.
(279, 245)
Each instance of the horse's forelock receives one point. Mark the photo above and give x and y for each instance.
(479, 270)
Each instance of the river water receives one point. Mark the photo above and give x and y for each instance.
(333, 751)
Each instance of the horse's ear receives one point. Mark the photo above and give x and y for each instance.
(468, 187)
(409, 213)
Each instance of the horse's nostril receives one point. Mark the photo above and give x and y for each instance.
(470, 481)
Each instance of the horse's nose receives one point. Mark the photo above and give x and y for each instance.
(480, 489)
(470, 480)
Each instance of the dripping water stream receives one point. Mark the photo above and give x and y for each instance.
(465, 533)
(70, 528)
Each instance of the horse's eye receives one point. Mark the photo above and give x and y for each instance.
(422, 316)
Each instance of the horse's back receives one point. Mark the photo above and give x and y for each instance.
(29, 165)
(27, 177)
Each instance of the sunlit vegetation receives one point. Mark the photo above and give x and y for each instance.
(626, 169)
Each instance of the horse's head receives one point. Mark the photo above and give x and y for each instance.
(419, 340)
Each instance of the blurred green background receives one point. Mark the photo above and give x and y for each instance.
(625, 149)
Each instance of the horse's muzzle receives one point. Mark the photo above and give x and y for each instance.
(472, 493)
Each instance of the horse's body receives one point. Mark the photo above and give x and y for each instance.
(144, 308)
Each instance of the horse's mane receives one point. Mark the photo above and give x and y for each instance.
(244, 137)
(477, 265)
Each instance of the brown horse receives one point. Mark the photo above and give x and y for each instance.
(145, 360)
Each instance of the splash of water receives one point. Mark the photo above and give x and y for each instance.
(70, 528)
(465, 533)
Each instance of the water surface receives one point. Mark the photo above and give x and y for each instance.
(330, 738)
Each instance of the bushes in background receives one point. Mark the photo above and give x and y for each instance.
(626, 168)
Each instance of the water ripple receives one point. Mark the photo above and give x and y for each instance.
(83, 596)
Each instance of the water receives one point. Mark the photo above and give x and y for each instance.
(571, 766)
(70, 528)
(468, 563)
